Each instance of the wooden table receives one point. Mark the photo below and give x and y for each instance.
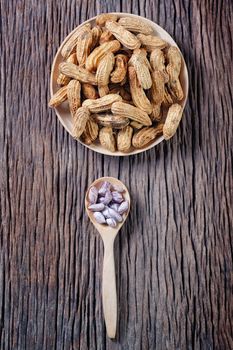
(174, 255)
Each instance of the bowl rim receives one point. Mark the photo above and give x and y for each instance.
(100, 149)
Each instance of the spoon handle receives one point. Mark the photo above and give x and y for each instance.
(109, 289)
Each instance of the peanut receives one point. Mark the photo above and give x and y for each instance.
(157, 89)
(89, 91)
(103, 90)
(107, 139)
(146, 135)
(83, 45)
(136, 125)
(72, 41)
(63, 79)
(151, 42)
(99, 52)
(157, 94)
(156, 114)
(115, 121)
(91, 132)
(59, 97)
(106, 36)
(101, 104)
(81, 117)
(157, 62)
(124, 139)
(79, 73)
(104, 69)
(96, 35)
(104, 17)
(173, 70)
(119, 73)
(167, 100)
(174, 116)
(138, 95)
(131, 112)
(135, 25)
(74, 96)
(138, 61)
(126, 38)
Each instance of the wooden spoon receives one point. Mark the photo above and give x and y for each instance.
(108, 234)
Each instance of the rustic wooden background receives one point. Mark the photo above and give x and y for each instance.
(174, 255)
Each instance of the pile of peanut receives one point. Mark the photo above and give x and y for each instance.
(121, 82)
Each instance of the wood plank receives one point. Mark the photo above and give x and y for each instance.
(174, 255)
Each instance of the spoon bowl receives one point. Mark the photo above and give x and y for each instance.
(105, 230)
(108, 235)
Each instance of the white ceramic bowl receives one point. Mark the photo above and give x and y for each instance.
(62, 111)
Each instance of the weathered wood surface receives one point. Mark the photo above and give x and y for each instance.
(174, 255)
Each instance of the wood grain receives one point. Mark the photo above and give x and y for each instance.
(174, 254)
